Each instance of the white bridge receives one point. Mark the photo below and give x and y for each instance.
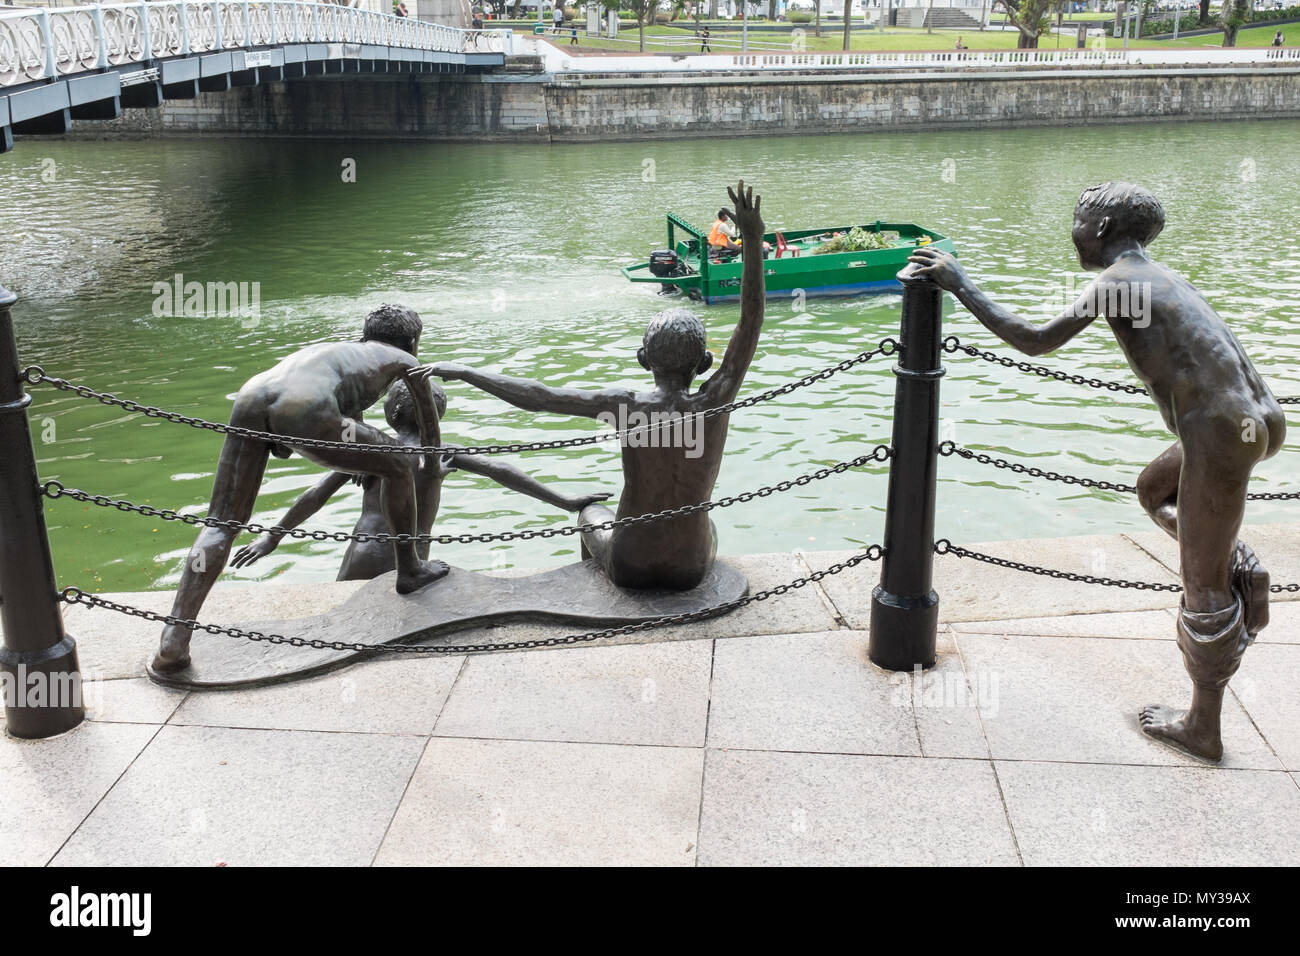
(88, 62)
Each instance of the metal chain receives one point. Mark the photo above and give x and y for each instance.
(73, 595)
(952, 448)
(953, 344)
(35, 375)
(944, 546)
(54, 489)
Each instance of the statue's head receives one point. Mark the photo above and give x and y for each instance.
(674, 345)
(399, 407)
(1110, 212)
(395, 325)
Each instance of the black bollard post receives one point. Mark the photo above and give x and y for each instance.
(38, 663)
(904, 606)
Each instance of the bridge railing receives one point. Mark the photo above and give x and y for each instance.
(37, 44)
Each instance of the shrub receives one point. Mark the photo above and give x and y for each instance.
(799, 16)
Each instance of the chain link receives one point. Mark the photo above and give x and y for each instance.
(74, 595)
(35, 375)
(952, 448)
(953, 344)
(54, 490)
(944, 546)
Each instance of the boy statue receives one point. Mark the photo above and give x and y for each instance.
(318, 392)
(364, 560)
(1218, 407)
(674, 554)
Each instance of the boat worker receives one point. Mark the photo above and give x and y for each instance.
(722, 235)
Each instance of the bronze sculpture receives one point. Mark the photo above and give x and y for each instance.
(674, 554)
(364, 560)
(317, 393)
(1218, 407)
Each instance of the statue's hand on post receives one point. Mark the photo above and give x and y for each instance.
(942, 268)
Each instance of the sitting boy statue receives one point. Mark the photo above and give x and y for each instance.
(1218, 407)
(318, 393)
(364, 560)
(674, 554)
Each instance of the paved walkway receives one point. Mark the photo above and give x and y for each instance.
(761, 738)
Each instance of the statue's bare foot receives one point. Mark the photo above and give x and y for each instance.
(425, 574)
(173, 651)
(1173, 726)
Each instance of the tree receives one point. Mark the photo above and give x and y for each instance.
(643, 10)
(1030, 17)
(1232, 15)
(929, 12)
(771, 10)
(848, 21)
(817, 18)
(1205, 13)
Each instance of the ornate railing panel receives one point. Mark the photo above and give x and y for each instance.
(37, 44)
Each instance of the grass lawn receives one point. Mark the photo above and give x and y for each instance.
(1255, 36)
(894, 38)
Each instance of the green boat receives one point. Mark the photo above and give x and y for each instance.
(792, 264)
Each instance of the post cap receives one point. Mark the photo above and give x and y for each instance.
(908, 274)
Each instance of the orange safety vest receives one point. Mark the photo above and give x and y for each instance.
(718, 236)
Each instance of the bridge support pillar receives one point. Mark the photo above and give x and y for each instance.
(905, 606)
(57, 122)
(38, 660)
(217, 83)
(142, 95)
(98, 110)
(184, 90)
(6, 138)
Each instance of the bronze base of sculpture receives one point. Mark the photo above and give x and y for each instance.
(577, 594)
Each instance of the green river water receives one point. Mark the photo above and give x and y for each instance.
(511, 255)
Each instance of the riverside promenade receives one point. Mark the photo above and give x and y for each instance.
(763, 737)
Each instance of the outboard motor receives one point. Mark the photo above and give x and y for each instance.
(665, 264)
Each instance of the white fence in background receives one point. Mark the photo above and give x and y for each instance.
(556, 60)
(38, 44)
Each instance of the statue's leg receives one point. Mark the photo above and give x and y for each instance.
(397, 493)
(1157, 489)
(234, 493)
(1212, 624)
(598, 545)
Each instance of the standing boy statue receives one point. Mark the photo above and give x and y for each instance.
(673, 554)
(319, 393)
(1225, 419)
(364, 560)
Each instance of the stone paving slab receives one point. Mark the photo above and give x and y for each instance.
(780, 744)
(133, 700)
(971, 590)
(1274, 545)
(1268, 687)
(506, 802)
(1126, 625)
(655, 694)
(793, 809)
(385, 697)
(199, 796)
(112, 645)
(1074, 814)
(1078, 699)
(47, 787)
